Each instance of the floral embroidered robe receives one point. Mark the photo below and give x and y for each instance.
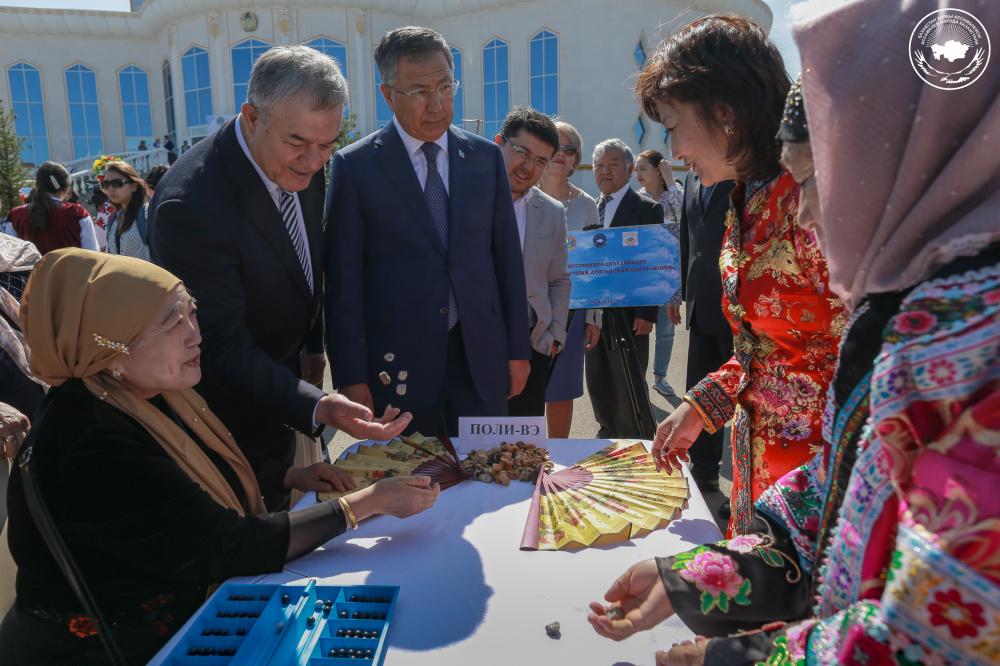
(786, 325)
(890, 539)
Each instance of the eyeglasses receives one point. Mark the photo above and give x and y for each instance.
(447, 91)
(540, 162)
(569, 150)
(114, 184)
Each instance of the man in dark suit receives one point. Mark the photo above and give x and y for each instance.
(710, 341)
(425, 293)
(619, 206)
(239, 219)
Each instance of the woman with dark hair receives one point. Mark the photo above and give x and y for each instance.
(127, 231)
(718, 87)
(153, 177)
(48, 221)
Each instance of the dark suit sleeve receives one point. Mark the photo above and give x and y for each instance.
(345, 291)
(510, 267)
(211, 271)
(684, 240)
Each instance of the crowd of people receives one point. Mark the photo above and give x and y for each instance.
(845, 319)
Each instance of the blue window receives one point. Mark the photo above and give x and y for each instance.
(335, 50)
(28, 103)
(544, 67)
(496, 86)
(383, 114)
(456, 55)
(84, 111)
(332, 48)
(245, 54)
(639, 54)
(639, 130)
(168, 97)
(197, 85)
(137, 114)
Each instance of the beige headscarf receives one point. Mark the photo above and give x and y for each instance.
(908, 175)
(75, 294)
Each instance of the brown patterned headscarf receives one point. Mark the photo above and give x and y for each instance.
(909, 175)
(78, 312)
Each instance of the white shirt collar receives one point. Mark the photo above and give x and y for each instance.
(270, 186)
(414, 146)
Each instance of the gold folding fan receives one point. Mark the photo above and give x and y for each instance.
(613, 495)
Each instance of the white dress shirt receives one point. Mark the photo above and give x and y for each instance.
(611, 207)
(274, 190)
(521, 213)
(415, 149)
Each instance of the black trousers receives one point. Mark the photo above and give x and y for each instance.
(458, 395)
(531, 401)
(608, 387)
(706, 353)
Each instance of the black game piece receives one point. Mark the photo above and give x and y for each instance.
(241, 632)
(343, 615)
(354, 597)
(285, 599)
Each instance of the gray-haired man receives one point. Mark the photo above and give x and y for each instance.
(618, 206)
(239, 218)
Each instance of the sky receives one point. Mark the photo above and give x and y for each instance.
(786, 12)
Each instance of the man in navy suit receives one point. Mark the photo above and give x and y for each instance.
(239, 219)
(426, 307)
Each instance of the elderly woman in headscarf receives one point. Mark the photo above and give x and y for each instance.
(886, 548)
(146, 488)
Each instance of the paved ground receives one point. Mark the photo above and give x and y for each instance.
(585, 427)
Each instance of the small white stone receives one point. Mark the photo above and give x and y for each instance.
(402, 375)
(401, 389)
(389, 357)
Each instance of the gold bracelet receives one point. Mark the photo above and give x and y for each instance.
(348, 513)
(701, 412)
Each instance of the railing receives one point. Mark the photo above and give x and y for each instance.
(141, 160)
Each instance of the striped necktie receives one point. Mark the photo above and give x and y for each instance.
(602, 202)
(286, 203)
(437, 201)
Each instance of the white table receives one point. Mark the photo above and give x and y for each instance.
(469, 595)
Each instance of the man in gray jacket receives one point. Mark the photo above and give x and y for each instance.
(528, 140)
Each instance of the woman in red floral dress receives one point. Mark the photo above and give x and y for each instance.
(722, 120)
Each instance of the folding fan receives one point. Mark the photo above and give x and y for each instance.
(612, 495)
(405, 456)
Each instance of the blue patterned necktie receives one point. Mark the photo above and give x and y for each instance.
(286, 204)
(437, 201)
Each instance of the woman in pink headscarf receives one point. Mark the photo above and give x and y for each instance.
(885, 549)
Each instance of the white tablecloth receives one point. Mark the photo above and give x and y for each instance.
(468, 595)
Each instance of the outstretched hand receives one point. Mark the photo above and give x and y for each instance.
(641, 598)
(358, 421)
(674, 436)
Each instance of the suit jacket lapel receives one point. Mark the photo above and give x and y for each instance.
(458, 183)
(716, 199)
(260, 208)
(391, 155)
(313, 199)
(696, 193)
(532, 229)
(626, 208)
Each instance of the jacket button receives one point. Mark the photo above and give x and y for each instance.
(698, 254)
(444, 310)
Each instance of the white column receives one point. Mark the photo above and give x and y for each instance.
(222, 74)
(362, 80)
(177, 81)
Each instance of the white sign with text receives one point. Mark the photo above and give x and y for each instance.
(485, 432)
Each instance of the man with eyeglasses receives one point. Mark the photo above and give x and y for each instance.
(619, 206)
(425, 296)
(528, 140)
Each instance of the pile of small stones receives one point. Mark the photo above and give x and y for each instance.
(505, 463)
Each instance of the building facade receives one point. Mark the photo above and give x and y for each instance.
(84, 82)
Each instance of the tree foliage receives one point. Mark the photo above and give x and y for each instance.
(13, 174)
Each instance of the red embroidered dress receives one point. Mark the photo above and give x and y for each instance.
(786, 326)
